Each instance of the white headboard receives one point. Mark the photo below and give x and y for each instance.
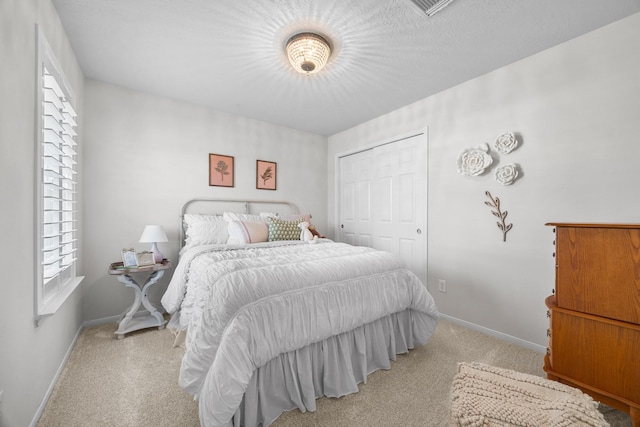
(219, 206)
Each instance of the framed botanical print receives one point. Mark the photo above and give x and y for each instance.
(220, 170)
(266, 175)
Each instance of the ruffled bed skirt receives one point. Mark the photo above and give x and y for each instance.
(333, 367)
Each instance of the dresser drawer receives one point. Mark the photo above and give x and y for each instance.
(600, 352)
(598, 271)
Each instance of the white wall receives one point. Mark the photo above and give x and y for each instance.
(576, 108)
(29, 355)
(146, 156)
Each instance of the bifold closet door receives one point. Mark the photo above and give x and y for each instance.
(383, 200)
(399, 220)
(355, 198)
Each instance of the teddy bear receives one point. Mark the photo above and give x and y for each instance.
(312, 229)
(305, 233)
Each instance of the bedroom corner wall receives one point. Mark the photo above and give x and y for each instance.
(30, 356)
(575, 108)
(146, 156)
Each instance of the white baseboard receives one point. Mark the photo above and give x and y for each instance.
(517, 341)
(47, 395)
(103, 321)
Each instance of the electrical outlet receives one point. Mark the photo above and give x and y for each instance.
(442, 285)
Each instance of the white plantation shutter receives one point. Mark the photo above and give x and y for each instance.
(58, 180)
(56, 223)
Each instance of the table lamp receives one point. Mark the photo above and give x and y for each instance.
(154, 234)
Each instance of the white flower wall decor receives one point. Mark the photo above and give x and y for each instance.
(506, 174)
(506, 143)
(474, 161)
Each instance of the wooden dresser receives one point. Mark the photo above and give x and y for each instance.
(594, 314)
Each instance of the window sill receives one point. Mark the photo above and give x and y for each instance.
(54, 303)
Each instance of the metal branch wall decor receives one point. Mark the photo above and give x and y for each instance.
(502, 225)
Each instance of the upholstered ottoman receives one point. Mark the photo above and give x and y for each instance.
(483, 395)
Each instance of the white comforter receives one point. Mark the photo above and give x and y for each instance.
(244, 306)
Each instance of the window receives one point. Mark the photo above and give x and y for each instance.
(56, 218)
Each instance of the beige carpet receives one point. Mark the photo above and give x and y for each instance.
(133, 382)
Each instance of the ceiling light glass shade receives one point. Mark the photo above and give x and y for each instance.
(308, 52)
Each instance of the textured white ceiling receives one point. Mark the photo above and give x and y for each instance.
(228, 54)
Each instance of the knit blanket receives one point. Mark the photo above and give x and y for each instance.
(483, 395)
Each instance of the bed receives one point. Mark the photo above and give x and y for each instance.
(271, 324)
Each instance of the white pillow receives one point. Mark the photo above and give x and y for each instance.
(204, 229)
(295, 217)
(232, 216)
(194, 218)
(269, 214)
(243, 232)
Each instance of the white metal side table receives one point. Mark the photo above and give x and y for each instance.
(131, 320)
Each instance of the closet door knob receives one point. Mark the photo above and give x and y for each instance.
(419, 231)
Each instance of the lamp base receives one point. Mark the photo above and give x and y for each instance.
(157, 255)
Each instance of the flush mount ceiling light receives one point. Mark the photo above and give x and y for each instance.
(308, 52)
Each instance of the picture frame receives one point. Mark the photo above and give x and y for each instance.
(145, 259)
(266, 175)
(221, 170)
(129, 258)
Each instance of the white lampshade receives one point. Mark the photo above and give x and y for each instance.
(153, 233)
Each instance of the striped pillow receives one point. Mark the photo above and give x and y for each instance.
(284, 230)
(243, 232)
